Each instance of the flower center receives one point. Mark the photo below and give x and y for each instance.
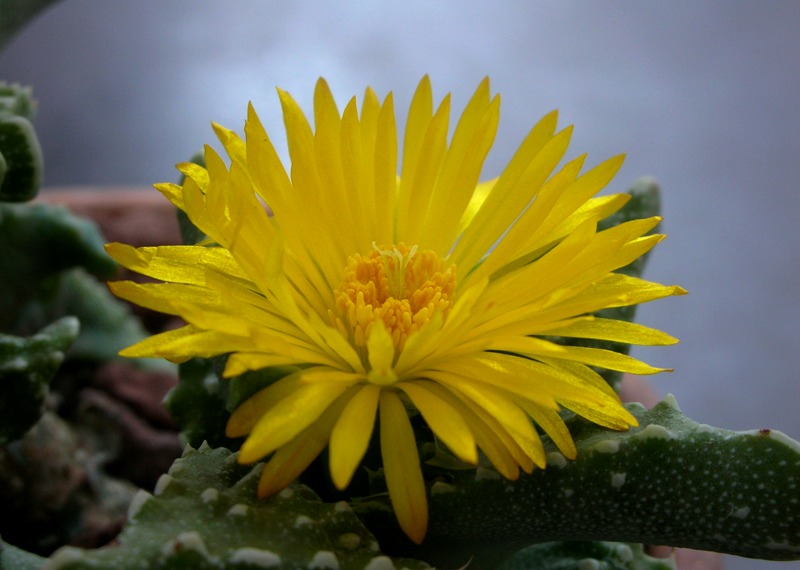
(401, 286)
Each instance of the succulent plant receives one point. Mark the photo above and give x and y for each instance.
(37, 243)
(21, 163)
(588, 555)
(26, 367)
(15, 558)
(204, 514)
(668, 481)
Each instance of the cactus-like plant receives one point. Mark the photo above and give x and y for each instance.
(587, 555)
(668, 481)
(13, 558)
(37, 243)
(204, 515)
(26, 367)
(21, 163)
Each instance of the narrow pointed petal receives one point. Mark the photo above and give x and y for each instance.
(287, 418)
(292, 459)
(445, 421)
(402, 468)
(351, 434)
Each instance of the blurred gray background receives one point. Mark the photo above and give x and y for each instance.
(702, 95)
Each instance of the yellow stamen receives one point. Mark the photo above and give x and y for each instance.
(394, 268)
(400, 286)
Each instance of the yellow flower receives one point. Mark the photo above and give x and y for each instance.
(430, 290)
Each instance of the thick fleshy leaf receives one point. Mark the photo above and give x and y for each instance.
(670, 481)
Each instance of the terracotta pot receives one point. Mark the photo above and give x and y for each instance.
(132, 215)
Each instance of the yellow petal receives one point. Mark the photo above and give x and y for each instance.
(611, 360)
(615, 290)
(419, 118)
(234, 146)
(509, 199)
(186, 342)
(461, 169)
(247, 415)
(571, 198)
(198, 174)
(385, 160)
(416, 186)
(503, 409)
(523, 383)
(497, 448)
(243, 361)
(517, 241)
(610, 416)
(289, 462)
(402, 468)
(444, 420)
(380, 348)
(614, 330)
(535, 347)
(505, 445)
(288, 417)
(552, 424)
(176, 263)
(172, 192)
(351, 434)
(482, 191)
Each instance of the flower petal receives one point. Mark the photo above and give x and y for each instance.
(445, 421)
(351, 434)
(293, 458)
(495, 443)
(288, 417)
(502, 408)
(380, 349)
(614, 330)
(402, 468)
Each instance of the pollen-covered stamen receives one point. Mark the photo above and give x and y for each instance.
(400, 285)
(394, 266)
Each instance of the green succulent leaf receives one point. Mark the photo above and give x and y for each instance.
(202, 401)
(38, 241)
(15, 99)
(585, 555)
(197, 403)
(13, 558)
(26, 367)
(22, 158)
(668, 481)
(3, 169)
(204, 514)
(107, 324)
(21, 162)
(14, 14)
